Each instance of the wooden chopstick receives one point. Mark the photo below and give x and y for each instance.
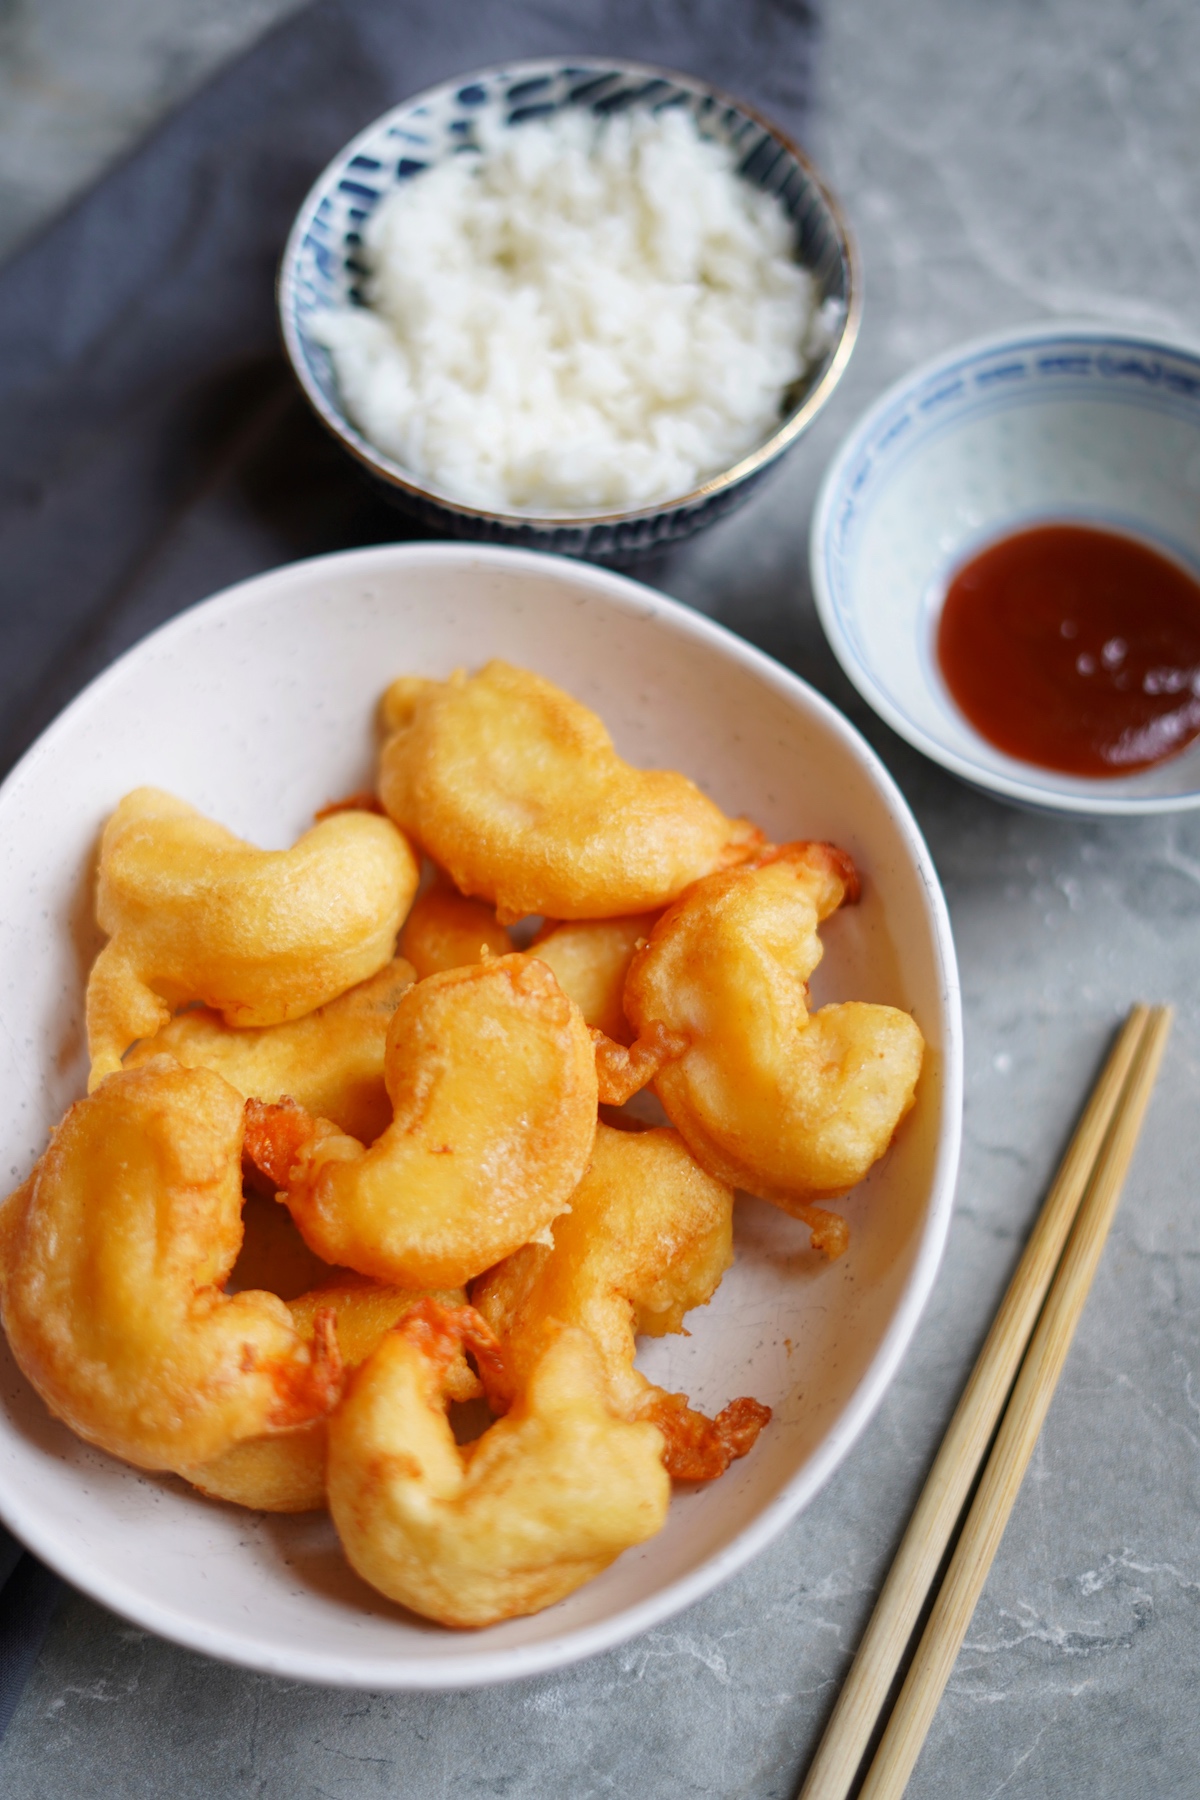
(907, 1588)
(1019, 1430)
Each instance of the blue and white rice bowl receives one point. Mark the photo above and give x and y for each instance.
(322, 268)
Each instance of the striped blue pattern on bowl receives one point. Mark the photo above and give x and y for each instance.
(322, 267)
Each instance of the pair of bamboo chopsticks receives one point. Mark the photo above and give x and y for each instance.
(1028, 1344)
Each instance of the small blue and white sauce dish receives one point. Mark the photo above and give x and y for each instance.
(1035, 439)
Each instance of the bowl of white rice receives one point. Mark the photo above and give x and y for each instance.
(582, 308)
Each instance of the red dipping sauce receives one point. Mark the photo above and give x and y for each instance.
(1075, 649)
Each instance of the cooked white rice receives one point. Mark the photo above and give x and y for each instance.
(587, 316)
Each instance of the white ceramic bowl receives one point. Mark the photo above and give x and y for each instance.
(257, 707)
(1048, 424)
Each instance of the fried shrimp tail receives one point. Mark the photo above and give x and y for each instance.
(117, 1250)
(492, 1078)
(260, 936)
(542, 1502)
(699, 1448)
(648, 1237)
(278, 1134)
(792, 1106)
(516, 790)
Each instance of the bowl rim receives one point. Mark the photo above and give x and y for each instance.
(384, 468)
(1027, 794)
(485, 1667)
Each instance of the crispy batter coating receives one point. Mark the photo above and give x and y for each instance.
(591, 959)
(515, 789)
(286, 1472)
(788, 1105)
(115, 1252)
(261, 936)
(648, 1237)
(544, 1500)
(492, 1077)
(446, 930)
(330, 1062)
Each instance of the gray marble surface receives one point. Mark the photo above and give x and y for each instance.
(1001, 160)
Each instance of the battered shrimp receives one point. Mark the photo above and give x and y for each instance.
(543, 1501)
(330, 1062)
(591, 959)
(515, 789)
(492, 1078)
(445, 930)
(788, 1105)
(112, 1260)
(261, 936)
(648, 1237)
(286, 1473)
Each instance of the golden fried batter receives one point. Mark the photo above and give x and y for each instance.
(515, 789)
(261, 936)
(445, 930)
(591, 959)
(286, 1472)
(114, 1255)
(330, 1062)
(648, 1237)
(492, 1076)
(544, 1500)
(788, 1105)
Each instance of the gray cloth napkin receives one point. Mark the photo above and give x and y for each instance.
(28, 1594)
(153, 445)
